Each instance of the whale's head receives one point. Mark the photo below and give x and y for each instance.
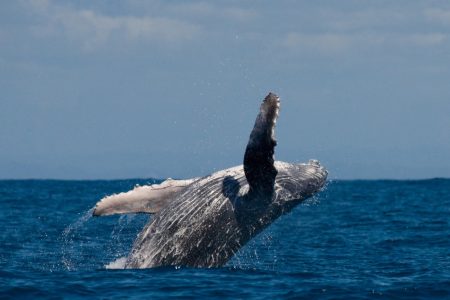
(293, 184)
(296, 182)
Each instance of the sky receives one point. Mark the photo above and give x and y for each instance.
(138, 89)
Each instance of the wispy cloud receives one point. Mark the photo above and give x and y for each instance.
(334, 43)
(341, 32)
(206, 9)
(92, 29)
(175, 23)
(428, 39)
(439, 15)
(327, 43)
(369, 18)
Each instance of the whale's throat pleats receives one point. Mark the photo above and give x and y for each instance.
(258, 159)
(142, 199)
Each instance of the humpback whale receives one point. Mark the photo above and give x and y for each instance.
(203, 222)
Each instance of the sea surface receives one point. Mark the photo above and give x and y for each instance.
(355, 240)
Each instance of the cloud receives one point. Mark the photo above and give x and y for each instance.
(198, 10)
(91, 29)
(174, 23)
(209, 10)
(369, 19)
(439, 15)
(338, 43)
(38, 5)
(429, 39)
(94, 30)
(327, 43)
(342, 31)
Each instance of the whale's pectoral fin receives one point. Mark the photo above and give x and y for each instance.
(142, 199)
(258, 159)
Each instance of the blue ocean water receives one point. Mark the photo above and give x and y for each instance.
(356, 239)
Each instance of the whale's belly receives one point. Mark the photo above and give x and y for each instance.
(198, 229)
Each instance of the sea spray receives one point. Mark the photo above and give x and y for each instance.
(70, 239)
(122, 236)
(113, 237)
(258, 254)
(117, 264)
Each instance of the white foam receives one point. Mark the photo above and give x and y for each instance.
(117, 264)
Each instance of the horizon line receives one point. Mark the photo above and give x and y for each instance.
(162, 179)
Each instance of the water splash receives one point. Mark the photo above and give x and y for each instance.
(121, 237)
(113, 238)
(70, 238)
(314, 200)
(258, 254)
(117, 264)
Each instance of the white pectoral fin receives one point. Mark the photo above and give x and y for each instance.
(142, 199)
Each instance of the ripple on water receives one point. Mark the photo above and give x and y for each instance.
(358, 239)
